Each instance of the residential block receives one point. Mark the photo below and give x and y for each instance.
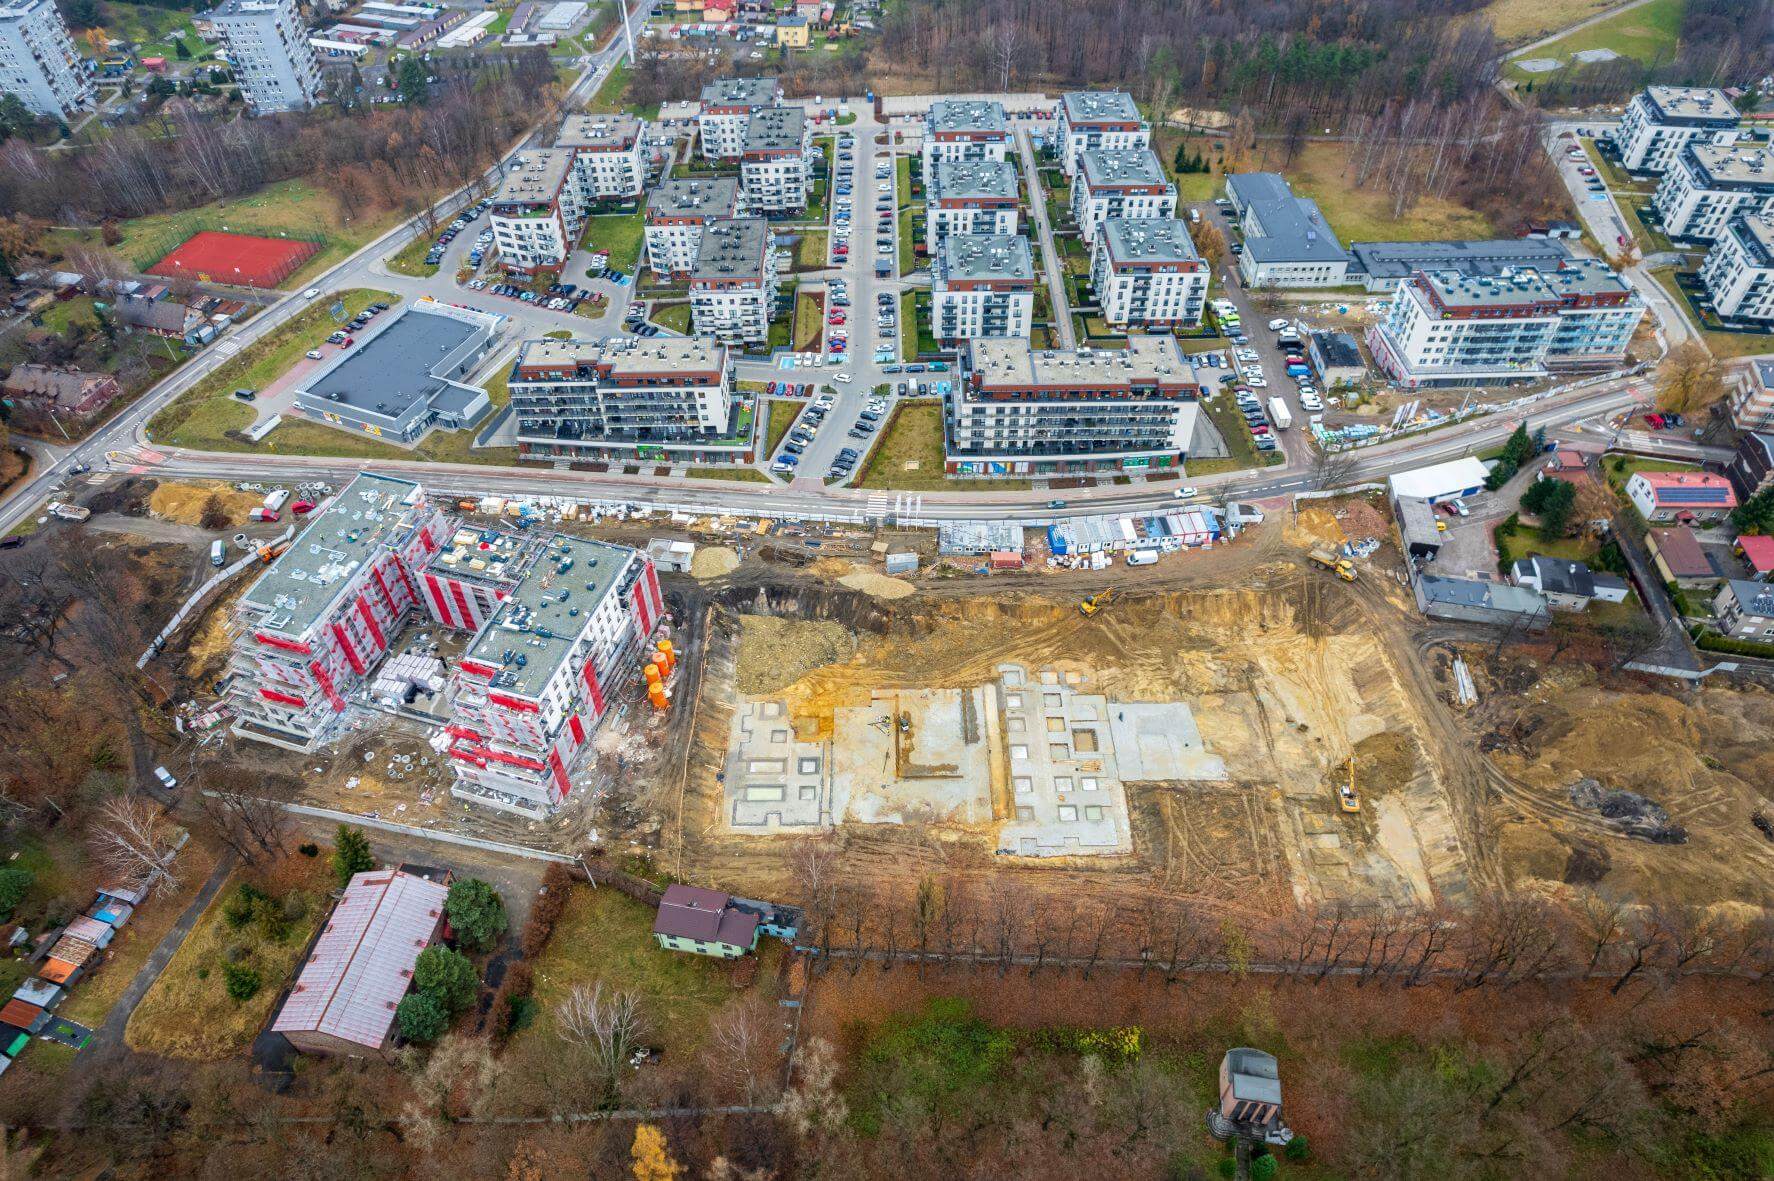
(734, 283)
(969, 197)
(1738, 273)
(609, 159)
(267, 44)
(538, 212)
(677, 212)
(38, 62)
(726, 111)
(1708, 184)
(1128, 183)
(1146, 271)
(982, 285)
(1098, 120)
(1662, 120)
(965, 129)
(776, 161)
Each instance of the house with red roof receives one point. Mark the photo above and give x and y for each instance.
(1681, 496)
(1758, 551)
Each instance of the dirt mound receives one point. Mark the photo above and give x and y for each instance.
(878, 585)
(713, 561)
(182, 503)
(1634, 815)
(1384, 763)
(776, 652)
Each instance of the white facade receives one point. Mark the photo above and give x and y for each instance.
(609, 163)
(977, 197)
(537, 213)
(1707, 185)
(726, 111)
(572, 396)
(1661, 120)
(982, 287)
(38, 62)
(1445, 329)
(1739, 269)
(1120, 184)
(776, 163)
(1147, 271)
(267, 43)
(965, 129)
(1098, 120)
(733, 285)
(677, 211)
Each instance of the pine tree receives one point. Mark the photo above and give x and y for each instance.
(351, 855)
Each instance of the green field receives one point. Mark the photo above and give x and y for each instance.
(1518, 21)
(1223, 411)
(1648, 34)
(908, 455)
(409, 260)
(735, 473)
(675, 316)
(783, 412)
(908, 326)
(809, 321)
(622, 234)
(810, 250)
(1723, 345)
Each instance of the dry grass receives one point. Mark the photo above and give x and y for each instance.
(1365, 215)
(1516, 22)
(188, 1013)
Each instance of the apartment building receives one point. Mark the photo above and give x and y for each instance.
(982, 285)
(677, 212)
(1287, 240)
(1127, 183)
(1098, 120)
(726, 111)
(1020, 411)
(733, 284)
(1745, 610)
(776, 162)
(542, 671)
(38, 62)
(1382, 266)
(630, 398)
(1739, 269)
(1752, 467)
(1146, 271)
(969, 197)
(1662, 120)
(1597, 315)
(1751, 401)
(965, 129)
(1708, 184)
(538, 212)
(267, 44)
(609, 157)
(320, 616)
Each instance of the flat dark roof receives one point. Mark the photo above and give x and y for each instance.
(392, 370)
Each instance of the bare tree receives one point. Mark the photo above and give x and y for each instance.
(253, 828)
(1006, 44)
(1333, 469)
(741, 1042)
(135, 842)
(607, 1024)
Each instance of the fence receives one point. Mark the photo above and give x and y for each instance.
(202, 593)
(149, 247)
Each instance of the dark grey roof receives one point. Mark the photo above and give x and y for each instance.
(1099, 106)
(694, 196)
(1558, 576)
(963, 115)
(1149, 239)
(1338, 349)
(1295, 230)
(956, 179)
(1258, 186)
(393, 369)
(1756, 598)
(733, 249)
(1474, 257)
(739, 92)
(775, 129)
(987, 256)
(1121, 166)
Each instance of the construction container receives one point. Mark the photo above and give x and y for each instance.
(663, 660)
(1007, 560)
(657, 696)
(276, 499)
(904, 563)
(651, 673)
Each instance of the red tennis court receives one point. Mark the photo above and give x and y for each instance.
(214, 256)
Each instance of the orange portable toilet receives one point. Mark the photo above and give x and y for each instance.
(663, 660)
(665, 647)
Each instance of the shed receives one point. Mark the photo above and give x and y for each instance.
(902, 563)
(24, 1015)
(94, 931)
(1758, 551)
(1417, 526)
(1442, 481)
(128, 894)
(1679, 557)
(40, 992)
(671, 556)
(112, 911)
(67, 957)
(13, 1040)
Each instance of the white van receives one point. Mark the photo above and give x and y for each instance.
(166, 778)
(1142, 557)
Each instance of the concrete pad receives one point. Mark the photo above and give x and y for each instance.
(1538, 65)
(1160, 741)
(1595, 55)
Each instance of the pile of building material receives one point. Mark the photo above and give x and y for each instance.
(397, 679)
(1465, 692)
(1631, 814)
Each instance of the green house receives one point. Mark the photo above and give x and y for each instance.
(704, 922)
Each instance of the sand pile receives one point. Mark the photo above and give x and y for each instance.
(1384, 763)
(878, 585)
(775, 652)
(183, 503)
(713, 561)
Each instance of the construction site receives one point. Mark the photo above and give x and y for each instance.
(1233, 725)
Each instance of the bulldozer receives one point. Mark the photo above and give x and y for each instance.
(1089, 607)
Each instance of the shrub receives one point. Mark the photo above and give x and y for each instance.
(234, 953)
(242, 905)
(1298, 1149)
(309, 850)
(476, 913)
(545, 912)
(242, 982)
(1713, 642)
(1263, 1168)
(351, 855)
(1227, 1167)
(15, 883)
(421, 1018)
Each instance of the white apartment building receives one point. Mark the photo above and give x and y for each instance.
(1287, 241)
(776, 163)
(537, 212)
(38, 62)
(267, 44)
(1120, 184)
(726, 111)
(1597, 315)
(1752, 403)
(1021, 411)
(733, 284)
(609, 160)
(1147, 271)
(982, 285)
(1662, 120)
(1739, 269)
(1098, 120)
(1707, 184)
(627, 397)
(677, 211)
(969, 197)
(965, 129)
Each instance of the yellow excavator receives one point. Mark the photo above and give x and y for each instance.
(1095, 603)
(1346, 797)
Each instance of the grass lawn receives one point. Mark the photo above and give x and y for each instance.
(612, 96)
(909, 218)
(1647, 34)
(914, 436)
(810, 250)
(63, 314)
(736, 473)
(292, 207)
(781, 331)
(621, 234)
(1620, 468)
(1525, 540)
(1519, 21)
(202, 416)
(1723, 345)
(675, 316)
(606, 936)
(188, 1012)
(902, 171)
(409, 260)
(783, 412)
(91, 1002)
(809, 321)
(1195, 187)
(908, 325)
(1365, 215)
(1223, 411)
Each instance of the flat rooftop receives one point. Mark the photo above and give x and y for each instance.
(703, 197)
(1692, 102)
(599, 131)
(1739, 166)
(247, 8)
(1476, 256)
(736, 248)
(1122, 166)
(626, 356)
(1012, 361)
(495, 557)
(1149, 240)
(1517, 289)
(1585, 276)
(538, 181)
(370, 514)
(536, 626)
(740, 92)
(775, 129)
(396, 367)
(987, 256)
(949, 115)
(1099, 106)
(1755, 232)
(956, 180)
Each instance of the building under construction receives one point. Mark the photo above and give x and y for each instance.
(555, 623)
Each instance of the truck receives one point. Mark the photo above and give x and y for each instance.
(276, 498)
(218, 553)
(1278, 414)
(263, 514)
(1342, 567)
(68, 512)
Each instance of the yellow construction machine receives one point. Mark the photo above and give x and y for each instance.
(1095, 603)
